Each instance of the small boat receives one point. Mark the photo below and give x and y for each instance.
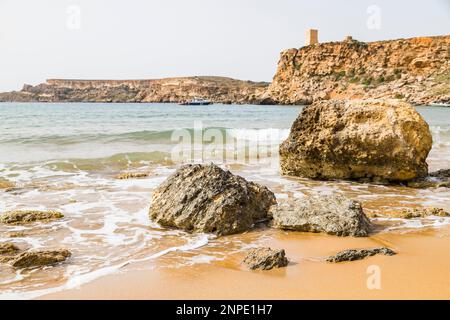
(197, 102)
(439, 104)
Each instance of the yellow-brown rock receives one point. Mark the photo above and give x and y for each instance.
(379, 140)
(27, 216)
(174, 90)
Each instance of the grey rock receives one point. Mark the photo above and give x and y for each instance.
(358, 254)
(206, 198)
(265, 259)
(332, 214)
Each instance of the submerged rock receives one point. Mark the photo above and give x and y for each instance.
(332, 214)
(27, 216)
(30, 259)
(6, 184)
(8, 248)
(358, 254)
(378, 140)
(132, 175)
(437, 179)
(413, 213)
(265, 259)
(7, 251)
(206, 198)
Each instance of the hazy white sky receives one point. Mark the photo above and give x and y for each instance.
(120, 39)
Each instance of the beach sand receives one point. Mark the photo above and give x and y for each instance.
(420, 270)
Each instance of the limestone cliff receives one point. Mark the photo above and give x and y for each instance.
(416, 70)
(216, 89)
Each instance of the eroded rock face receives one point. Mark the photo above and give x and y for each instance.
(358, 254)
(332, 214)
(416, 70)
(28, 216)
(379, 140)
(265, 259)
(206, 198)
(173, 90)
(31, 259)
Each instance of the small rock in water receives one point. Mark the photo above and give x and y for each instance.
(437, 179)
(413, 213)
(27, 216)
(30, 259)
(358, 254)
(6, 184)
(8, 248)
(265, 259)
(132, 175)
(7, 251)
(332, 214)
(206, 198)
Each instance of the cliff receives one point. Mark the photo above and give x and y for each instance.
(216, 89)
(416, 70)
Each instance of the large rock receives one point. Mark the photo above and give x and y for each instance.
(265, 259)
(40, 258)
(358, 254)
(205, 198)
(28, 216)
(332, 214)
(382, 140)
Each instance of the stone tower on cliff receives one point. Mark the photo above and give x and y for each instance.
(312, 37)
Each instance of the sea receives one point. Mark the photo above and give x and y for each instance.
(68, 156)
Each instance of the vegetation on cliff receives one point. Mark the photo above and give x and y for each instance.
(416, 70)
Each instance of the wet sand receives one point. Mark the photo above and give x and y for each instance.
(420, 270)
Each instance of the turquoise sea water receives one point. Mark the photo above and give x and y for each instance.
(65, 157)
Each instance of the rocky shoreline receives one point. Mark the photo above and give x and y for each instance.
(415, 70)
(169, 90)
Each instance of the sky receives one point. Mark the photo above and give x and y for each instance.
(146, 39)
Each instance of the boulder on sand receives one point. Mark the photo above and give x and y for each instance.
(206, 198)
(358, 254)
(333, 214)
(378, 140)
(265, 259)
(40, 258)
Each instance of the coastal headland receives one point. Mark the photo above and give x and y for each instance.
(416, 70)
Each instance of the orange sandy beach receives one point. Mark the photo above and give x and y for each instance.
(420, 270)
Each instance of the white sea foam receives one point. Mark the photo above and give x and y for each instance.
(77, 278)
